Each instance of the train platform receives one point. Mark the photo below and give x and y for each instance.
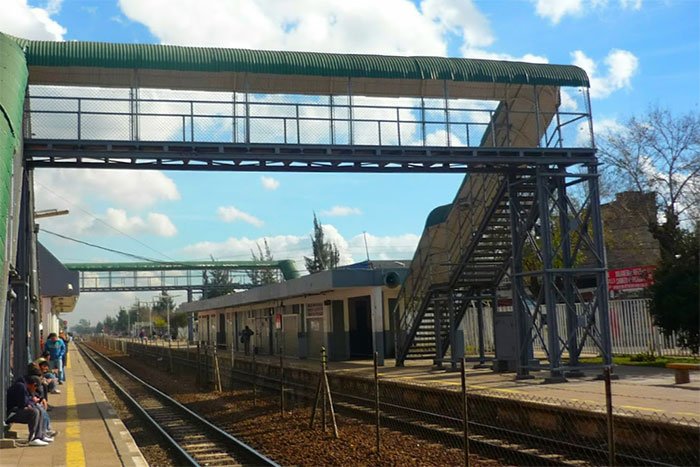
(643, 390)
(89, 430)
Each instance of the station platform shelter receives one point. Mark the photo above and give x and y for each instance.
(89, 430)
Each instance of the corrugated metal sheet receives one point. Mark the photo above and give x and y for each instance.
(167, 57)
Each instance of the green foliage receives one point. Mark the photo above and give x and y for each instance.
(216, 282)
(325, 254)
(643, 357)
(164, 303)
(675, 304)
(265, 276)
(83, 327)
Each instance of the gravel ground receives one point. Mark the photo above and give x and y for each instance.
(289, 440)
(147, 441)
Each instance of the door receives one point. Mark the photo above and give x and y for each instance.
(360, 327)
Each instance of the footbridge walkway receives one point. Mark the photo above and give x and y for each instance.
(525, 159)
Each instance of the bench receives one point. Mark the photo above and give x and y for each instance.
(683, 371)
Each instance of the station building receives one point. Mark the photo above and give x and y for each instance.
(348, 310)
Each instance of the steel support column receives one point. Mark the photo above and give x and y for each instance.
(567, 280)
(601, 295)
(439, 304)
(480, 331)
(549, 277)
(521, 317)
(20, 284)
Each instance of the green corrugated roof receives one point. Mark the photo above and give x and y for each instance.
(169, 57)
(438, 215)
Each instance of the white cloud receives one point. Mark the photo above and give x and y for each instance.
(153, 224)
(295, 247)
(473, 52)
(362, 26)
(340, 211)
(621, 65)
(269, 183)
(555, 10)
(631, 4)
(232, 214)
(567, 100)
(22, 20)
(460, 17)
(123, 188)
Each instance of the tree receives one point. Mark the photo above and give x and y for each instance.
(83, 327)
(164, 303)
(99, 327)
(216, 282)
(675, 304)
(325, 254)
(265, 276)
(658, 152)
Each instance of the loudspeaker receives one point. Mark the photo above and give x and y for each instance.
(392, 279)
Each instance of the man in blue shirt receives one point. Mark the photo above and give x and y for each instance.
(56, 349)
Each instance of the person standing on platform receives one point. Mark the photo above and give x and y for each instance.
(56, 348)
(66, 340)
(245, 339)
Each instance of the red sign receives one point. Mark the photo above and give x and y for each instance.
(638, 277)
(278, 321)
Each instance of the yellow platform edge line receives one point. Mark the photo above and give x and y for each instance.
(75, 454)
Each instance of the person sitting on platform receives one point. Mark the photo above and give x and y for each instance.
(21, 408)
(49, 378)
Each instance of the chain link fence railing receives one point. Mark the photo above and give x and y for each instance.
(505, 426)
(83, 113)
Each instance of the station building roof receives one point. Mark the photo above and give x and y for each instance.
(364, 274)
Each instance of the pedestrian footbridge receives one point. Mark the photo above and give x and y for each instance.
(526, 218)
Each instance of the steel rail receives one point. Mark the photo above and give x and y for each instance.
(247, 450)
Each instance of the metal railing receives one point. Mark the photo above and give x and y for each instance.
(83, 114)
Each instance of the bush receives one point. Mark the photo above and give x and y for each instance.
(643, 357)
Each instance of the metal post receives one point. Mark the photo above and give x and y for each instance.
(601, 265)
(282, 384)
(480, 332)
(609, 411)
(325, 400)
(465, 418)
(255, 386)
(519, 315)
(376, 401)
(571, 317)
(548, 280)
(452, 329)
(437, 314)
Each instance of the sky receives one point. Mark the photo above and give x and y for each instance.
(638, 53)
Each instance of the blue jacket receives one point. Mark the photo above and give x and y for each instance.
(55, 348)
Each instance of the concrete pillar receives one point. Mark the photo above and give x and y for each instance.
(377, 307)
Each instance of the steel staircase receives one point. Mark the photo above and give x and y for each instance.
(475, 258)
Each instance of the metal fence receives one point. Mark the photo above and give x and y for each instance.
(632, 327)
(75, 113)
(441, 425)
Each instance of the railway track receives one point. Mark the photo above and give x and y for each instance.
(197, 441)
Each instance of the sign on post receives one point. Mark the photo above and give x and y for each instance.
(638, 277)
